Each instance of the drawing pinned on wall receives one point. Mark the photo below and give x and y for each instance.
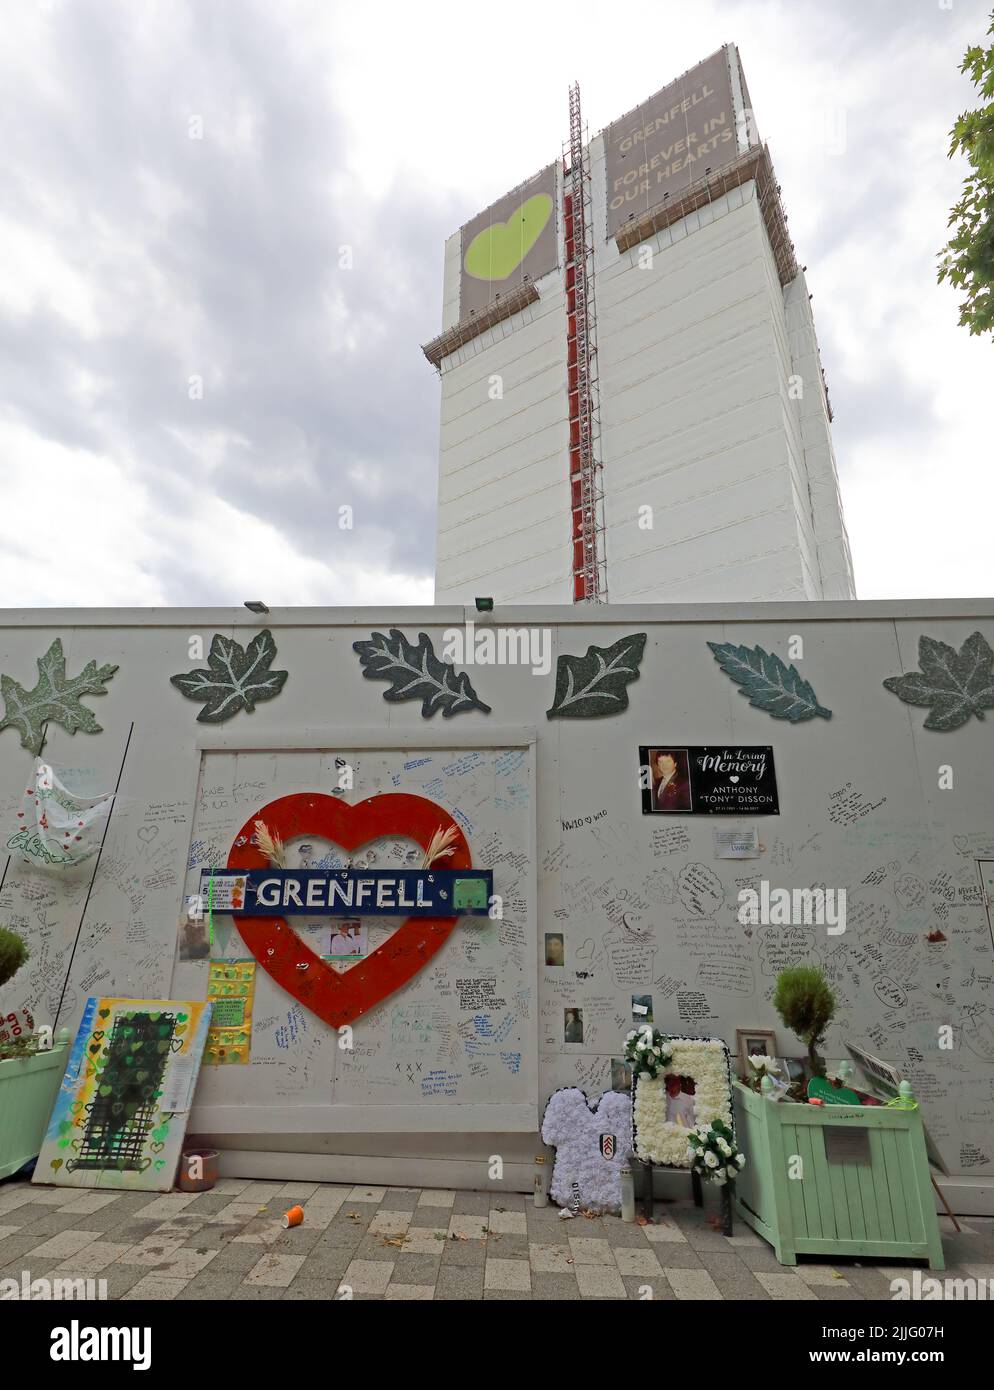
(416, 673)
(55, 699)
(768, 683)
(56, 828)
(578, 1130)
(341, 997)
(230, 992)
(596, 684)
(238, 678)
(121, 1111)
(954, 685)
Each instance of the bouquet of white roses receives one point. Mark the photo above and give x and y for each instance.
(648, 1051)
(712, 1153)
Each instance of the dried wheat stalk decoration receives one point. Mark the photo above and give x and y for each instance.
(270, 845)
(441, 845)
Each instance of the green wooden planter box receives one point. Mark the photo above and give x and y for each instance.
(869, 1196)
(28, 1087)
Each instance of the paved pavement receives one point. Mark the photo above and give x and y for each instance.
(407, 1243)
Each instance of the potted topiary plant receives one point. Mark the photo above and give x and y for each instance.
(13, 954)
(30, 1073)
(806, 1004)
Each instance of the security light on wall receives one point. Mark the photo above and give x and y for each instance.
(484, 605)
(256, 606)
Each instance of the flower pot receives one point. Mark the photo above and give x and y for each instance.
(835, 1180)
(204, 1166)
(28, 1087)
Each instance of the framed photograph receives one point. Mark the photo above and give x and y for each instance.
(695, 1089)
(555, 948)
(754, 1042)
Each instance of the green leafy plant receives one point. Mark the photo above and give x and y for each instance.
(13, 954)
(967, 261)
(806, 1004)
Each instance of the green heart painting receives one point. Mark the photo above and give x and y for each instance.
(499, 249)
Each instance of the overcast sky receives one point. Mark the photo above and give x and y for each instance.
(136, 258)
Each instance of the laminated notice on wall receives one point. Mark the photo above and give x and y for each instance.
(736, 844)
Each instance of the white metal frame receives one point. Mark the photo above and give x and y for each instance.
(371, 1118)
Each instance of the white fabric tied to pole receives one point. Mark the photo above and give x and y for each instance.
(56, 828)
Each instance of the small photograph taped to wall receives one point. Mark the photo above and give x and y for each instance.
(669, 774)
(573, 1025)
(642, 1008)
(555, 948)
(194, 938)
(348, 940)
(621, 1075)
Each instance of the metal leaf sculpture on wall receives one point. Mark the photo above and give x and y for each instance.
(55, 699)
(416, 673)
(597, 684)
(954, 684)
(768, 683)
(238, 678)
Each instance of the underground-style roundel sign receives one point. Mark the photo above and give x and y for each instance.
(342, 998)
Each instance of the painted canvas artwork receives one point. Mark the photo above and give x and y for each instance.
(121, 1112)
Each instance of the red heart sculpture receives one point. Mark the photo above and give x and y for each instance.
(342, 998)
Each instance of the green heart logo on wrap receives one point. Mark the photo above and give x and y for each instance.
(499, 249)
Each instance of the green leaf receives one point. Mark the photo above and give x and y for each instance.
(238, 678)
(416, 673)
(953, 684)
(53, 700)
(767, 683)
(596, 684)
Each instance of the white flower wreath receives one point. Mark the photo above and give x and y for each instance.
(658, 1140)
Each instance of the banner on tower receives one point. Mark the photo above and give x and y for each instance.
(667, 142)
(512, 241)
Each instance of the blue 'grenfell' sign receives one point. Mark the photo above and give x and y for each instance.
(348, 892)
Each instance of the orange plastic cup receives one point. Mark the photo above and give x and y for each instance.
(293, 1217)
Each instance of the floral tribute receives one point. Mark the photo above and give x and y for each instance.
(583, 1157)
(647, 1051)
(712, 1153)
(686, 1094)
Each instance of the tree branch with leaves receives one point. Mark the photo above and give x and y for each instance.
(967, 261)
